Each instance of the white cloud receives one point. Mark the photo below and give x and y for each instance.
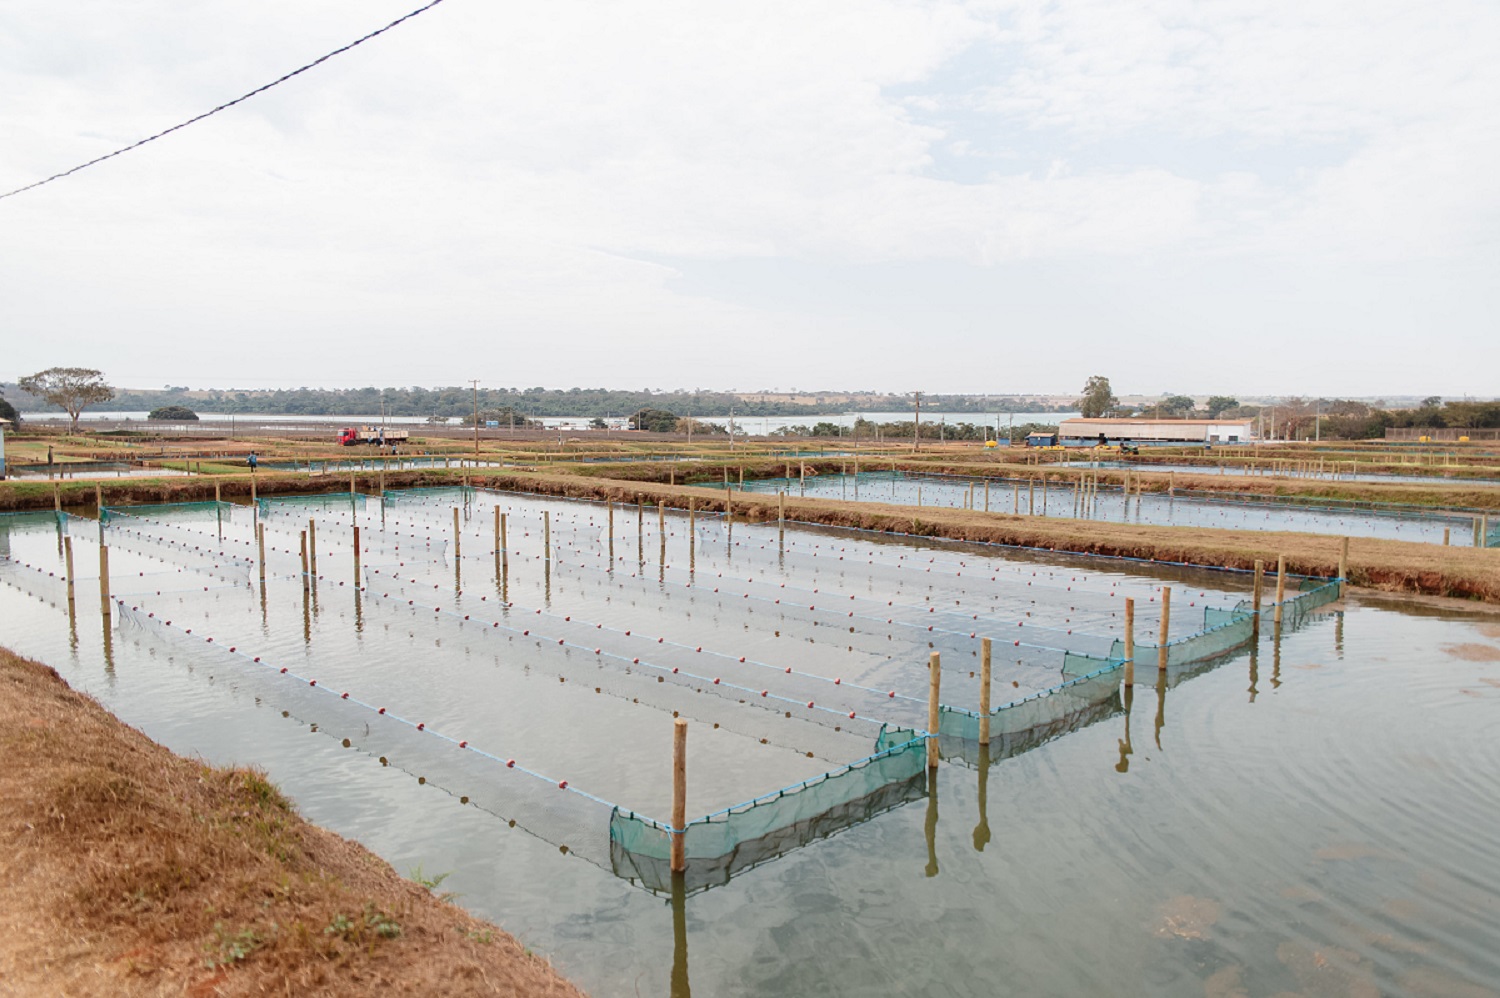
(522, 172)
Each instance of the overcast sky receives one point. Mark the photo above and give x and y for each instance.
(1243, 196)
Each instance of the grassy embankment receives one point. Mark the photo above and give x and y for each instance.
(129, 870)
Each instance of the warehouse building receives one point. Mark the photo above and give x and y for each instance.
(1089, 432)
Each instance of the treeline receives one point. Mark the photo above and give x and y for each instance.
(530, 402)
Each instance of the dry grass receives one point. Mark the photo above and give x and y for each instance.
(132, 871)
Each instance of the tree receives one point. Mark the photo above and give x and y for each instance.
(8, 411)
(173, 413)
(1097, 399)
(73, 389)
(598, 423)
(1175, 406)
(1217, 405)
(654, 420)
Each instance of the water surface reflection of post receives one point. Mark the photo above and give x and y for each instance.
(1276, 657)
(1161, 704)
(1254, 671)
(681, 988)
(982, 830)
(932, 821)
(1126, 751)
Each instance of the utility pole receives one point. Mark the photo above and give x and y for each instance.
(916, 425)
(475, 383)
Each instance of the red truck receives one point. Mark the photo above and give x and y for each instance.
(378, 435)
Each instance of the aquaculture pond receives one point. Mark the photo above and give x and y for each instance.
(1307, 811)
(1180, 507)
(1272, 468)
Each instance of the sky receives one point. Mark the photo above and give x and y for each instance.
(1227, 196)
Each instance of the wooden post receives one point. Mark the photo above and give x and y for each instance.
(934, 682)
(1343, 564)
(547, 535)
(984, 691)
(303, 536)
(1129, 642)
(260, 543)
(104, 578)
(986, 495)
(1030, 496)
(457, 535)
(252, 492)
(1280, 585)
(312, 545)
(1255, 598)
(57, 503)
(679, 795)
(728, 506)
(218, 495)
(1016, 496)
(1166, 626)
(1445, 536)
(98, 497)
(68, 563)
(610, 505)
(661, 519)
(495, 543)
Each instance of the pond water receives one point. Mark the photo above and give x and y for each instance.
(1183, 509)
(1432, 475)
(1308, 816)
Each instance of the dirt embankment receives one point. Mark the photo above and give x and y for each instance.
(1396, 566)
(129, 870)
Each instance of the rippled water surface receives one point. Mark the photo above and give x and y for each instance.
(1312, 817)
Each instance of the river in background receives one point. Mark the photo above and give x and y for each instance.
(761, 425)
(1314, 817)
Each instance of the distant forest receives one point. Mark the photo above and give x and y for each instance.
(459, 402)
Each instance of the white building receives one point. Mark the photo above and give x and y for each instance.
(1083, 432)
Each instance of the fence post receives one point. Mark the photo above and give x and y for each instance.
(312, 544)
(679, 795)
(1166, 626)
(1256, 592)
(303, 537)
(260, 542)
(547, 535)
(356, 555)
(934, 682)
(1343, 565)
(104, 578)
(1280, 586)
(457, 536)
(68, 561)
(984, 691)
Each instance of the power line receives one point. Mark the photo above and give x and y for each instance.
(243, 97)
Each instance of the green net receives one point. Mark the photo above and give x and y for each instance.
(269, 506)
(1091, 693)
(178, 511)
(727, 841)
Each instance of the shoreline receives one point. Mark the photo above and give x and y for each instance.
(131, 870)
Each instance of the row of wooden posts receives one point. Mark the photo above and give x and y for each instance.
(308, 556)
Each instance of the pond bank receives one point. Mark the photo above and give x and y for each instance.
(130, 870)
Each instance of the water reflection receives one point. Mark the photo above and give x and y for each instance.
(931, 823)
(681, 988)
(982, 830)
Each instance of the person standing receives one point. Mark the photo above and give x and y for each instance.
(252, 460)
